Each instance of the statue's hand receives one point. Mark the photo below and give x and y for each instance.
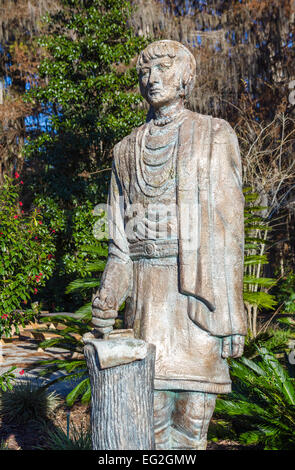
(104, 305)
(233, 346)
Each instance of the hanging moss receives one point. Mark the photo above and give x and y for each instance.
(231, 41)
(20, 17)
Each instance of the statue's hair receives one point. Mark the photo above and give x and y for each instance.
(167, 47)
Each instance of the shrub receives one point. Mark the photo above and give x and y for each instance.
(75, 439)
(27, 401)
(261, 409)
(275, 338)
(26, 252)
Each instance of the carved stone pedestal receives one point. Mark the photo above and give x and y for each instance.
(122, 396)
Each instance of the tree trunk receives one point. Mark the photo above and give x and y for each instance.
(122, 403)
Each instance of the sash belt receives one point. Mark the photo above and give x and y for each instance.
(153, 249)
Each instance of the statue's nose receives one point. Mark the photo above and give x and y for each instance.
(154, 76)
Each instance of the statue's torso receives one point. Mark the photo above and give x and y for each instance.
(152, 197)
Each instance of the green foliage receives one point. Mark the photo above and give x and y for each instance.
(262, 300)
(274, 339)
(87, 285)
(90, 96)
(6, 378)
(255, 241)
(3, 445)
(87, 249)
(26, 256)
(256, 286)
(73, 251)
(87, 41)
(74, 368)
(289, 321)
(76, 439)
(261, 409)
(27, 401)
(286, 292)
(87, 92)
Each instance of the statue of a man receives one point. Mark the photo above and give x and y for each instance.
(176, 247)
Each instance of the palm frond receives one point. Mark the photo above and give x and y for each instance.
(82, 388)
(84, 283)
(84, 312)
(97, 249)
(262, 406)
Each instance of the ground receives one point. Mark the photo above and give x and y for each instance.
(31, 436)
(34, 435)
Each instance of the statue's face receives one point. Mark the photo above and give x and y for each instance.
(161, 81)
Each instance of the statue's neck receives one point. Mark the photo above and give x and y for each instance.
(167, 112)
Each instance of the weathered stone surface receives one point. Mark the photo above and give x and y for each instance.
(122, 403)
(118, 351)
(176, 245)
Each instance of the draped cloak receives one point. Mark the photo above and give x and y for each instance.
(210, 218)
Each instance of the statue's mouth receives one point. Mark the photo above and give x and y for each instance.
(155, 90)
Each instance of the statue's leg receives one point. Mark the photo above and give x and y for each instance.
(191, 417)
(163, 408)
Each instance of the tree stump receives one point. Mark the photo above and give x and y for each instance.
(122, 415)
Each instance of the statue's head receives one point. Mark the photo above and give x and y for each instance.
(167, 72)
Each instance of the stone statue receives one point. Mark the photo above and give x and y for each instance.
(176, 247)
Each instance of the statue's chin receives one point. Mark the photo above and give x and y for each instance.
(157, 102)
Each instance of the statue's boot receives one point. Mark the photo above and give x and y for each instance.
(182, 419)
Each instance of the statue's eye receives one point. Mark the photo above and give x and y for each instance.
(164, 66)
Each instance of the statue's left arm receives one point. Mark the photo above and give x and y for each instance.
(211, 259)
(233, 345)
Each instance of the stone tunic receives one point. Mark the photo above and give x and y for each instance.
(153, 193)
(187, 357)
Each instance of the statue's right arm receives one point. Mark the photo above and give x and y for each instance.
(116, 280)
